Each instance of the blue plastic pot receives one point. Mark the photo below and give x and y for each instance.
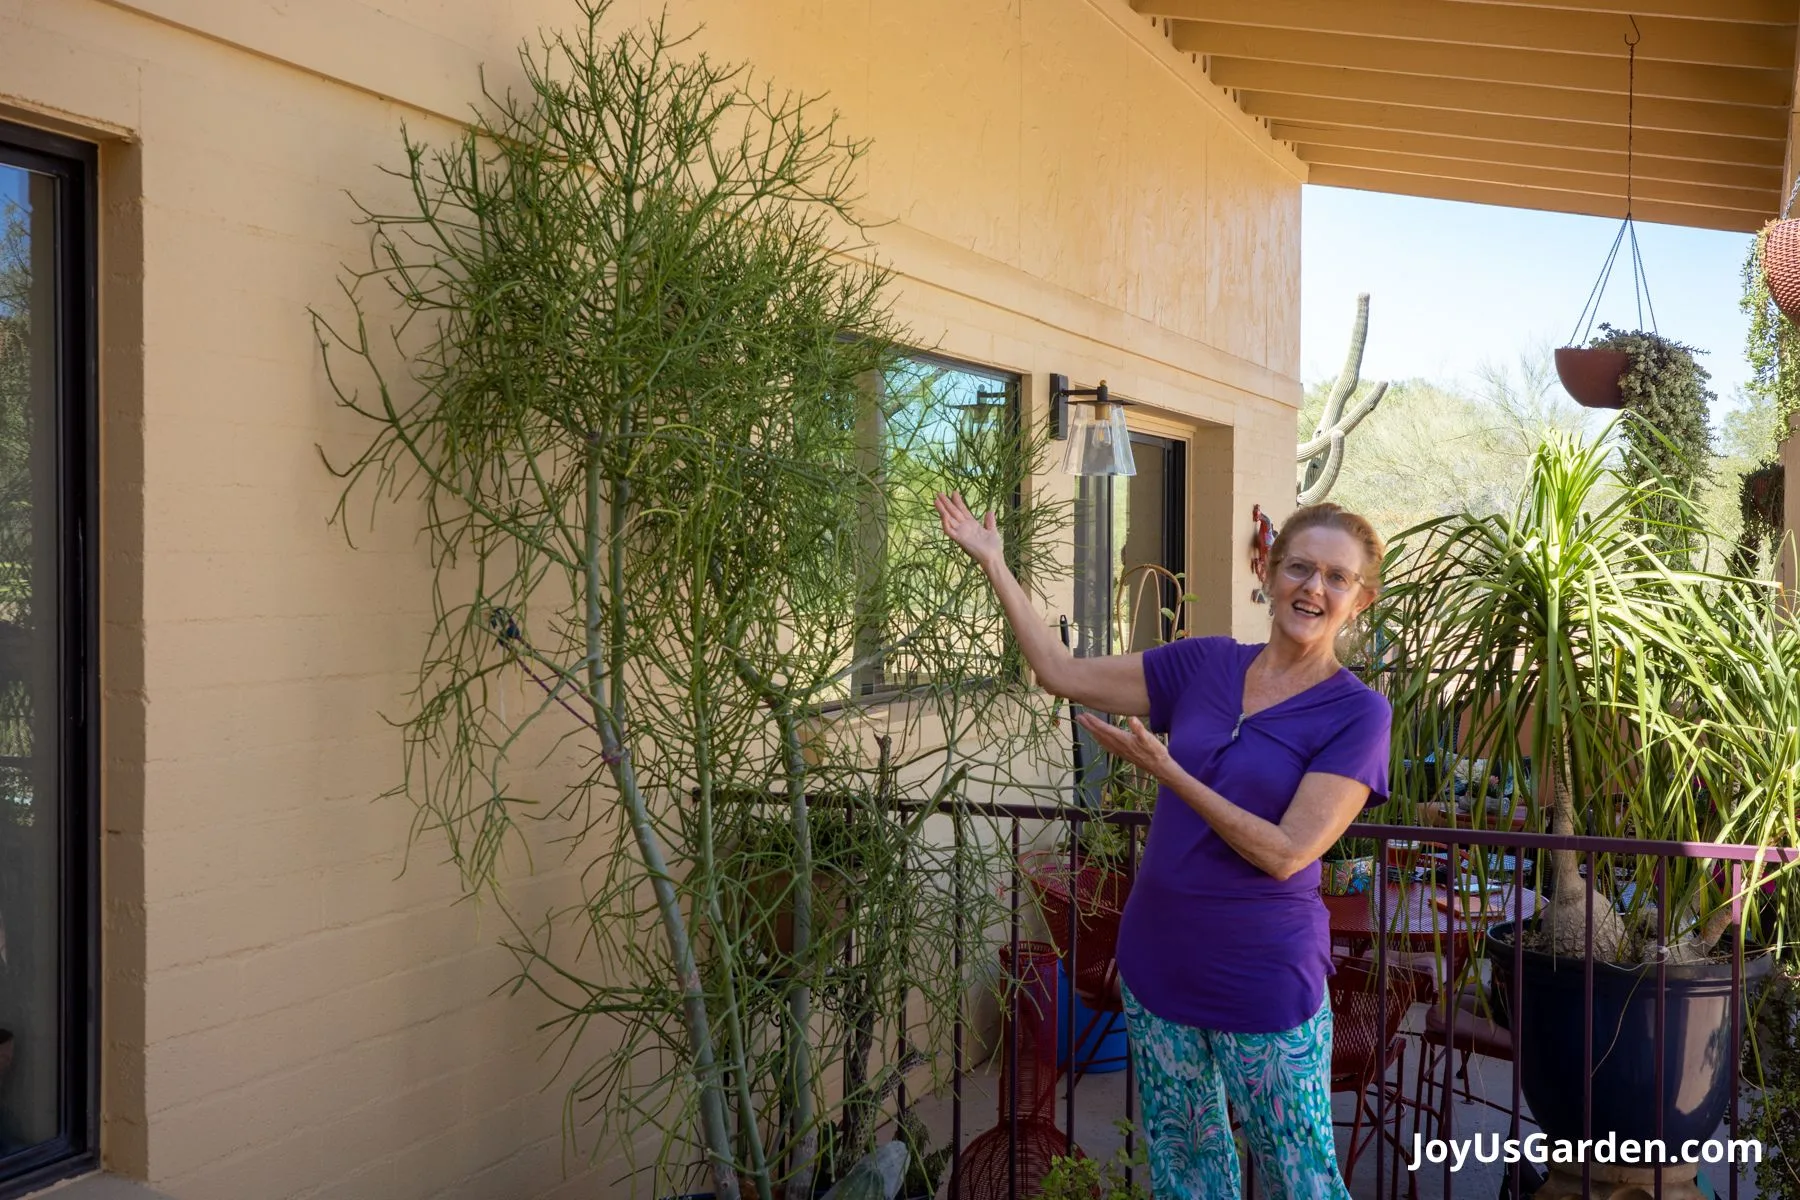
(1104, 1048)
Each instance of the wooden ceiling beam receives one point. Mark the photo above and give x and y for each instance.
(1604, 74)
(1753, 12)
(1763, 177)
(1545, 199)
(1586, 182)
(1557, 31)
(1500, 99)
(1314, 112)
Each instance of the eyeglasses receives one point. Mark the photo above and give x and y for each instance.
(1298, 570)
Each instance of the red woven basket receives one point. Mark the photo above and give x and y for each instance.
(1033, 1013)
(1781, 266)
(984, 1173)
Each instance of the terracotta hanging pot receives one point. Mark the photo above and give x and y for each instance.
(1592, 376)
(1781, 266)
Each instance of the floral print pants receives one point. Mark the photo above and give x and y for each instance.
(1278, 1084)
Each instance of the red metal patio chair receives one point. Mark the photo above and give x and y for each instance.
(1465, 1031)
(1365, 1045)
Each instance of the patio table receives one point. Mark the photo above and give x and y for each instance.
(1438, 815)
(1416, 924)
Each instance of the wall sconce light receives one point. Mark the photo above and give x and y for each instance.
(1099, 442)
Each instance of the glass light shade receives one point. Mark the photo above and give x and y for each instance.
(1099, 443)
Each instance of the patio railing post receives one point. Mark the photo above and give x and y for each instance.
(1587, 1021)
(1662, 987)
(1015, 999)
(1378, 880)
(1514, 1023)
(1737, 1015)
(1130, 1069)
(956, 1035)
(1453, 865)
(1066, 1020)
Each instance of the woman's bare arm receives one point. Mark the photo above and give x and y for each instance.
(1322, 808)
(1112, 683)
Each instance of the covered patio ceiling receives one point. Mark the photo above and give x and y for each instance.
(1517, 102)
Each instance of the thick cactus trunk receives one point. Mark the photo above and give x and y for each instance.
(1323, 453)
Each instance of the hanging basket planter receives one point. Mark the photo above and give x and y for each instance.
(1592, 376)
(1781, 266)
(1594, 373)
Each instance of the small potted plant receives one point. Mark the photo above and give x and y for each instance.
(1772, 341)
(1347, 868)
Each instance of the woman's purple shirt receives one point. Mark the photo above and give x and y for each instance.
(1207, 938)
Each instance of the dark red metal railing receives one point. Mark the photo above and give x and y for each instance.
(1455, 843)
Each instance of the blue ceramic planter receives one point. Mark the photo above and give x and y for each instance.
(1104, 1047)
(1696, 1059)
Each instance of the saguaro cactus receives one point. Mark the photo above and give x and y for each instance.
(1323, 453)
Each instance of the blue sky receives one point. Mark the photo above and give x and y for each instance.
(1453, 285)
(12, 185)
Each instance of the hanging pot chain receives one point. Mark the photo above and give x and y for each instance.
(1631, 43)
(1640, 280)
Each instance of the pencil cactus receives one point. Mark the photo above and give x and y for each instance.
(1323, 453)
(632, 410)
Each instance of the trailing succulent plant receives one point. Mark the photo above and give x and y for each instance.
(1668, 433)
(1772, 342)
(1761, 500)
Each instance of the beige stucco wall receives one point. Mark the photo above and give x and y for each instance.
(284, 1011)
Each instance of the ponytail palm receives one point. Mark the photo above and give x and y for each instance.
(1626, 689)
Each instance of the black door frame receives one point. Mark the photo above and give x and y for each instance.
(1174, 531)
(74, 164)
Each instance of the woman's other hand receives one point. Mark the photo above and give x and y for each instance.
(1135, 744)
(979, 537)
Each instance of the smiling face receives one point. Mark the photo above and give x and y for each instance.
(1317, 586)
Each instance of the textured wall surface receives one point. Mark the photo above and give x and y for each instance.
(287, 1013)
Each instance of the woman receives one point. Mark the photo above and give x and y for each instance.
(1225, 945)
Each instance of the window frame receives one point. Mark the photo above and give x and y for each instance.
(75, 164)
(870, 685)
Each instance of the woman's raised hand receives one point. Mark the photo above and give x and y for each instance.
(979, 537)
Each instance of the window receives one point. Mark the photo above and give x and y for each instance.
(935, 426)
(48, 798)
